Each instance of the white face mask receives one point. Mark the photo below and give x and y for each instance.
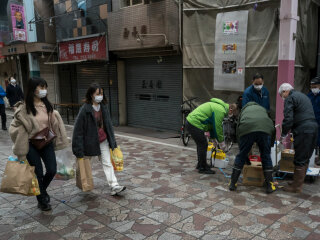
(258, 87)
(42, 93)
(13, 81)
(98, 98)
(315, 91)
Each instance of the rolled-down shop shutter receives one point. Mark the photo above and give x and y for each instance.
(50, 73)
(104, 74)
(154, 92)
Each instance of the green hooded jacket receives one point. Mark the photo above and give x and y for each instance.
(209, 117)
(254, 118)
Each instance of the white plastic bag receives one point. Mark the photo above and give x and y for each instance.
(6, 102)
(65, 161)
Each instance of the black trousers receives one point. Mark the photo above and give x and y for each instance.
(3, 115)
(48, 157)
(202, 144)
(305, 141)
(245, 144)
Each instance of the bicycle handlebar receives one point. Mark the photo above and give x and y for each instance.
(189, 100)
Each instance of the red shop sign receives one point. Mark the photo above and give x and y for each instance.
(83, 49)
(1, 46)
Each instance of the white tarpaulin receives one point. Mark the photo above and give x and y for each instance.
(230, 50)
(199, 23)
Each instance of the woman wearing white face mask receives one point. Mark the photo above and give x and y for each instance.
(93, 134)
(30, 118)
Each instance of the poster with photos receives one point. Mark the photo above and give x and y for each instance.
(19, 26)
(230, 51)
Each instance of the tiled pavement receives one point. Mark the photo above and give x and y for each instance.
(166, 199)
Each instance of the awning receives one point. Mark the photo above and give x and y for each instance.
(21, 48)
(66, 62)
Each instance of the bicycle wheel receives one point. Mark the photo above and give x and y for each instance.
(185, 135)
(228, 143)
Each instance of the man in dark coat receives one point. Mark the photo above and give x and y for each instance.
(254, 125)
(314, 96)
(299, 118)
(14, 92)
(257, 93)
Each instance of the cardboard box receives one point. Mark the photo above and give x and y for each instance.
(253, 174)
(286, 162)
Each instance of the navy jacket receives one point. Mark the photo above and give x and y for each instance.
(315, 100)
(260, 97)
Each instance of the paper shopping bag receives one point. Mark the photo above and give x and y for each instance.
(84, 179)
(17, 178)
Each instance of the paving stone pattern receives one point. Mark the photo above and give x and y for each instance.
(166, 199)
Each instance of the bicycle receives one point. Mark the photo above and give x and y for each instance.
(187, 107)
(229, 131)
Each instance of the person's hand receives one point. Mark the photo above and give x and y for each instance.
(282, 138)
(223, 146)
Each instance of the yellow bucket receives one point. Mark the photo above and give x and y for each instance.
(220, 154)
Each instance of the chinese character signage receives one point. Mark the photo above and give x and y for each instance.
(230, 51)
(1, 46)
(83, 49)
(19, 26)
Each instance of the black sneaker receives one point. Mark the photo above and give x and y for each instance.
(4, 128)
(206, 171)
(44, 206)
(207, 166)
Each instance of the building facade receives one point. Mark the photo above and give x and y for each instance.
(81, 34)
(28, 40)
(144, 38)
(140, 67)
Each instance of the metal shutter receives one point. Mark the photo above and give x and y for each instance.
(154, 92)
(50, 73)
(101, 73)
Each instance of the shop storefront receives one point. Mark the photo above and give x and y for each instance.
(84, 61)
(154, 92)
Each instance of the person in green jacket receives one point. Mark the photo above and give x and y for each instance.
(254, 125)
(208, 117)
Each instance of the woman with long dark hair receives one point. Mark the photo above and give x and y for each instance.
(93, 134)
(30, 118)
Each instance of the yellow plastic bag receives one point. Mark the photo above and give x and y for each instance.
(116, 159)
(34, 189)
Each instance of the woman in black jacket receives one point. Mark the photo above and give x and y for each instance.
(93, 134)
